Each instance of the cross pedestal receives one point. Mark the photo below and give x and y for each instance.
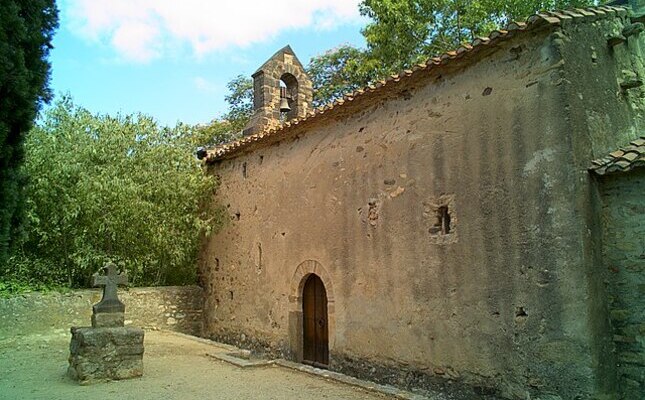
(108, 350)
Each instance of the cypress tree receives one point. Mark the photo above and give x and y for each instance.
(26, 31)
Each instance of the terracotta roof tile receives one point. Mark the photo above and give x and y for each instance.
(622, 160)
(631, 156)
(573, 14)
(639, 142)
(534, 22)
(560, 15)
(584, 12)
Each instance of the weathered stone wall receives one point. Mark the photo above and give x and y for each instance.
(623, 248)
(505, 300)
(603, 117)
(173, 308)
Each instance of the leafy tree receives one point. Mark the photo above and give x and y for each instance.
(240, 101)
(338, 71)
(26, 31)
(404, 32)
(215, 133)
(119, 188)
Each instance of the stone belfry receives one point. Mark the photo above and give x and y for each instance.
(282, 79)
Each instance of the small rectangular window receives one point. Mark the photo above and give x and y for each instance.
(441, 219)
(441, 224)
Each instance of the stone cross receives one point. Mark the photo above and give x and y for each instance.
(110, 302)
(109, 349)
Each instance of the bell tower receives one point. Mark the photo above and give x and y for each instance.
(281, 91)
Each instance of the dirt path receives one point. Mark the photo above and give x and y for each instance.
(33, 367)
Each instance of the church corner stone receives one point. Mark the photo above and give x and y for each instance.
(108, 350)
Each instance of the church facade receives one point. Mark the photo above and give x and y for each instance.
(466, 224)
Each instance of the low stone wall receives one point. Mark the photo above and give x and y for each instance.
(173, 308)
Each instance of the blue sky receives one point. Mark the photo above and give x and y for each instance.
(172, 59)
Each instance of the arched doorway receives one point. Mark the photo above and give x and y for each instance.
(315, 323)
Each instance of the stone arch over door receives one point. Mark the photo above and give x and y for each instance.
(302, 273)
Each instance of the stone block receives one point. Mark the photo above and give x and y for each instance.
(619, 315)
(631, 389)
(632, 358)
(624, 339)
(104, 320)
(630, 330)
(99, 354)
(635, 373)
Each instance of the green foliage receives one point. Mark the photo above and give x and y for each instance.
(12, 287)
(26, 31)
(217, 132)
(338, 71)
(240, 101)
(111, 188)
(404, 32)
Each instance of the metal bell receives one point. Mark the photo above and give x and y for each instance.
(284, 100)
(284, 105)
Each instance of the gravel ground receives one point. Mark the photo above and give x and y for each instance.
(33, 367)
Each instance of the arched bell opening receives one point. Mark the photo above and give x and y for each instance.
(288, 97)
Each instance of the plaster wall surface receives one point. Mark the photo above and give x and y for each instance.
(502, 302)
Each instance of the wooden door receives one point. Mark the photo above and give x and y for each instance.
(315, 330)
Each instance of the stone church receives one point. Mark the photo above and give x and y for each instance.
(476, 222)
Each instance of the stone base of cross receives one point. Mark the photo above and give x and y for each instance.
(110, 311)
(108, 350)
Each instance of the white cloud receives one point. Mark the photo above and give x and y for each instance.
(205, 85)
(142, 30)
